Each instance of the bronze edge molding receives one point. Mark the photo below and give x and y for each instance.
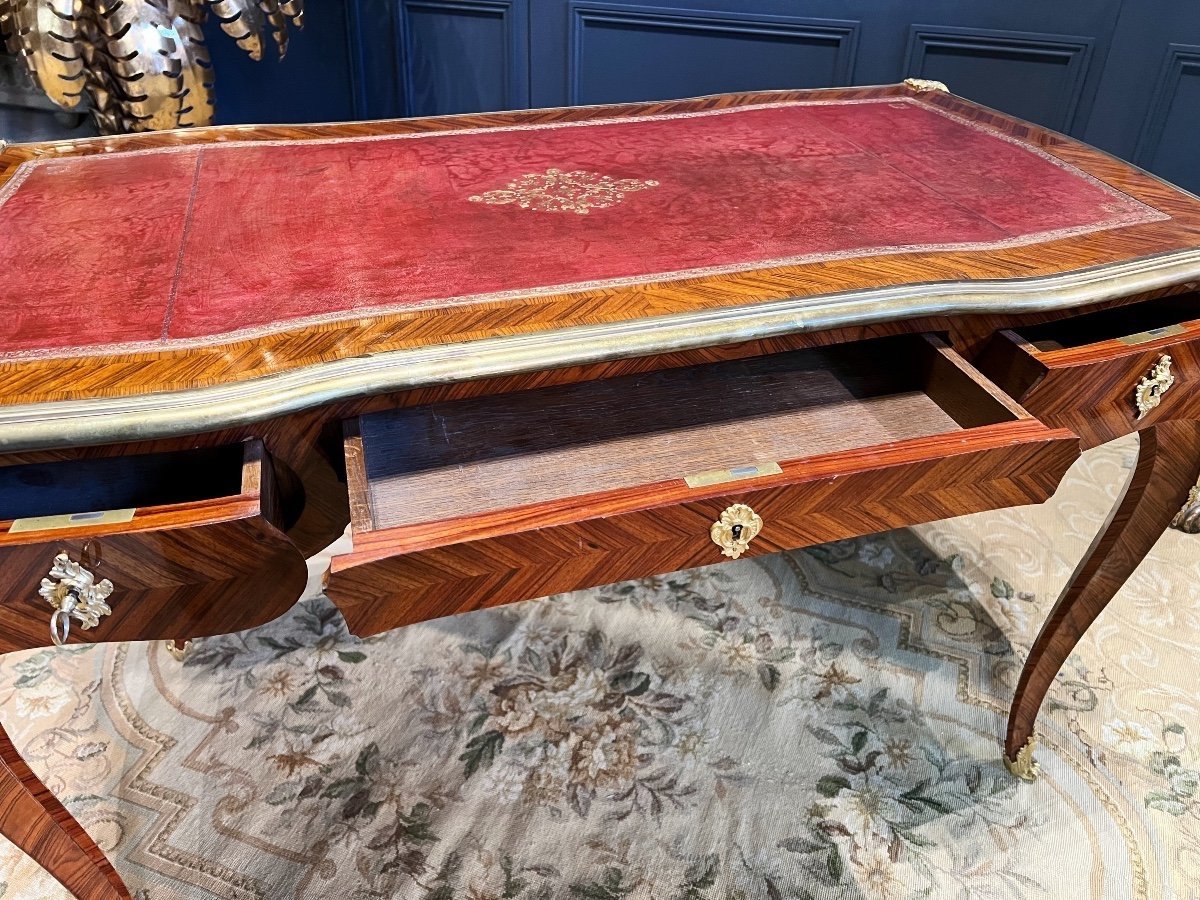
(73, 423)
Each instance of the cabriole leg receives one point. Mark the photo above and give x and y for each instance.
(33, 819)
(1167, 469)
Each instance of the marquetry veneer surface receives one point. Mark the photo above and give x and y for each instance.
(180, 243)
(475, 456)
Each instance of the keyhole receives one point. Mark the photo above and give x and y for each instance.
(69, 601)
(736, 531)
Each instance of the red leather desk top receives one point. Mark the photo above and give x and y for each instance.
(180, 245)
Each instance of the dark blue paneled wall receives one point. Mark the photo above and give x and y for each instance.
(314, 82)
(1122, 74)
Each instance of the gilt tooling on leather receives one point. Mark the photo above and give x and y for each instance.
(193, 242)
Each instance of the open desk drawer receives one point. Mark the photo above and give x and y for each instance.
(188, 541)
(472, 503)
(1103, 374)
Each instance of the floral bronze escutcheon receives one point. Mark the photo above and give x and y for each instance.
(1150, 390)
(74, 593)
(736, 528)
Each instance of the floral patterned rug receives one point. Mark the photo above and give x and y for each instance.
(822, 724)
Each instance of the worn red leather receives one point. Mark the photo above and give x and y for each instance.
(189, 243)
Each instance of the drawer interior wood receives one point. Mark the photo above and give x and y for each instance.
(180, 484)
(148, 480)
(1132, 325)
(472, 457)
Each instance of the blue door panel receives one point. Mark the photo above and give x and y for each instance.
(620, 52)
(592, 51)
(1034, 75)
(1147, 109)
(1171, 132)
(465, 55)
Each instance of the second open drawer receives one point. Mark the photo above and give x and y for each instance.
(471, 503)
(1104, 374)
(172, 545)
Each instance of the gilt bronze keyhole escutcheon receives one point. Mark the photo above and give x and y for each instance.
(74, 593)
(1153, 387)
(736, 528)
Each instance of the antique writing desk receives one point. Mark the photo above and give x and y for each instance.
(529, 352)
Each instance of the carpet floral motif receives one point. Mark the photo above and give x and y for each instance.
(820, 725)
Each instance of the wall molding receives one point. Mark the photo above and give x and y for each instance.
(1074, 52)
(373, 31)
(513, 15)
(1180, 60)
(842, 34)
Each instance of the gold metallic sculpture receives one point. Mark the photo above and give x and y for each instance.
(136, 65)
